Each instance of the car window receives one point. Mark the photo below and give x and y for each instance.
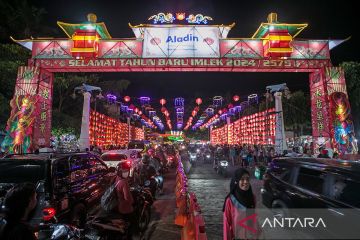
(96, 166)
(61, 168)
(79, 168)
(17, 171)
(61, 174)
(136, 145)
(345, 190)
(311, 179)
(282, 172)
(113, 157)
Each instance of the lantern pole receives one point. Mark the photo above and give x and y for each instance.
(86, 90)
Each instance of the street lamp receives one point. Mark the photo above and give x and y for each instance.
(86, 90)
(278, 90)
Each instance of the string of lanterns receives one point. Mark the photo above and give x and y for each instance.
(149, 118)
(258, 128)
(194, 112)
(105, 131)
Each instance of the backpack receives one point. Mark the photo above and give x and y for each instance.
(109, 199)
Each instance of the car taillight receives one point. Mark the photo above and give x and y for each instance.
(266, 176)
(48, 213)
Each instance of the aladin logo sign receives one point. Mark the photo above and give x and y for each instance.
(187, 38)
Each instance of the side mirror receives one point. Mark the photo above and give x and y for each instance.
(112, 169)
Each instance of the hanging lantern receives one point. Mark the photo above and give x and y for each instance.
(162, 101)
(127, 99)
(198, 101)
(236, 98)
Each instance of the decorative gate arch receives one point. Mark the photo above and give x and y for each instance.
(189, 47)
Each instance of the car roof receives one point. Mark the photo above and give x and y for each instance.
(347, 165)
(43, 156)
(121, 151)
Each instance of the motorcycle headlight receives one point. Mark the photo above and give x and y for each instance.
(208, 156)
(224, 163)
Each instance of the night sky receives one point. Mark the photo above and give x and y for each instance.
(325, 18)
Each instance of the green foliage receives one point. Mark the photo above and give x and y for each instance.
(352, 78)
(64, 84)
(68, 123)
(198, 135)
(12, 56)
(297, 112)
(58, 131)
(20, 19)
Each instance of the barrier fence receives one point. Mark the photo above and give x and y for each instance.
(188, 213)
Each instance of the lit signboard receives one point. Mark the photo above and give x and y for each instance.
(175, 42)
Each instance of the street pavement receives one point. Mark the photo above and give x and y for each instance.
(211, 190)
(163, 213)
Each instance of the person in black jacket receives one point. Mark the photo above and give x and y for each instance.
(19, 203)
(148, 173)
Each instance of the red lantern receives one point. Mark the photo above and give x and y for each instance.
(198, 101)
(220, 112)
(162, 101)
(127, 99)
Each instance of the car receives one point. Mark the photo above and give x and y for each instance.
(67, 185)
(312, 183)
(113, 157)
(139, 145)
(171, 155)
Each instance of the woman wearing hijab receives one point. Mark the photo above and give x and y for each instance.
(239, 204)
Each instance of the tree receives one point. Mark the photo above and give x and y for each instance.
(65, 83)
(20, 19)
(297, 112)
(12, 57)
(352, 77)
(115, 87)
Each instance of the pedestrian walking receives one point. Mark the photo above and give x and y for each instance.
(232, 155)
(239, 204)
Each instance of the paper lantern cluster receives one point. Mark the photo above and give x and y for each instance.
(258, 128)
(106, 131)
(179, 107)
(194, 112)
(166, 113)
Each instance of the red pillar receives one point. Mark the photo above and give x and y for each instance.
(29, 124)
(340, 120)
(330, 111)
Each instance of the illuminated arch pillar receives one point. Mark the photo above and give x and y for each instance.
(29, 125)
(330, 111)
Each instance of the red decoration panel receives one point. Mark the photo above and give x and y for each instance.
(258, 128)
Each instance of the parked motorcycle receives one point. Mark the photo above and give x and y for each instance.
(143, 201)
(193, 158)
(223, 168)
